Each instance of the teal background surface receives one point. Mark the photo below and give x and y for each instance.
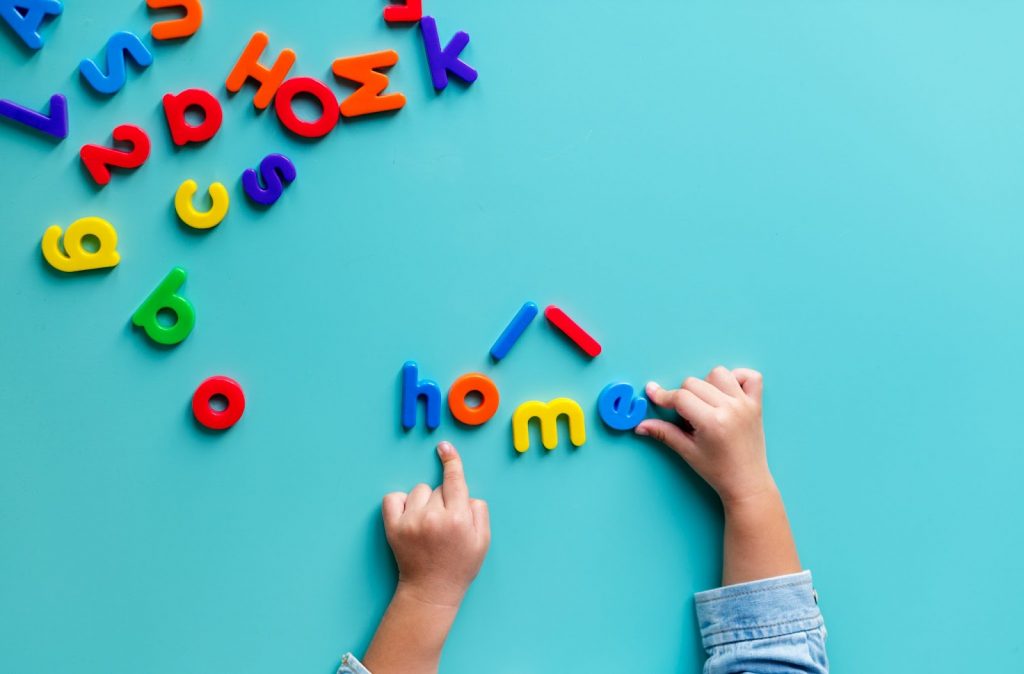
(830, 192)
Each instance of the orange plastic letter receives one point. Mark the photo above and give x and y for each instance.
(249, 66)
(363, 70)
(175, 28)
(473, 383)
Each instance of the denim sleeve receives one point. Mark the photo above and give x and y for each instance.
(770, 626)
(349, 665)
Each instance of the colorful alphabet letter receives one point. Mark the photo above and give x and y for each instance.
(99, 159)
(547, 414)
(321, 126)
(482, 386)
(209, 219)
(514, 330)
(410, 12)
(177, 28)
(175, 107)
(619, 409)
(249, 66)
(218, 420)
(363, 70)
(54, 124)
(443, 61)
(120, 46)
(412, 390)
(165, 298)
(573, 331)
(276, 170)
(25, 17)
(75, 257)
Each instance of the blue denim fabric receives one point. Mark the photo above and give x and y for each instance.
(770, 626)
(349, 665)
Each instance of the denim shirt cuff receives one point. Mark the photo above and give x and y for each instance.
(349, 665)
(758, 610)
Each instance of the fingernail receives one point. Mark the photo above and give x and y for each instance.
(641, 430)
(653, 385)
(445, 449)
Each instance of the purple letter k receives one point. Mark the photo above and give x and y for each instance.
(444, 60)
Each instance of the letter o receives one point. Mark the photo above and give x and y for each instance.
(307, 85)
(218, 420)
(473, 383)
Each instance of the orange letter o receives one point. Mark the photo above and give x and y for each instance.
(470, 383)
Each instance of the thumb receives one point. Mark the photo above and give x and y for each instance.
(669, 434)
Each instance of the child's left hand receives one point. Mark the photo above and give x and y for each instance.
(439, 536)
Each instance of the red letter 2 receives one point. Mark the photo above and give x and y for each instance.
(99, 159)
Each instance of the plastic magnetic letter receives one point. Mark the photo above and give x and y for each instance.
(98, 159)
(75, 257)
(209, 219)
(444, 61)
(276, 170)
(249, 66)
(218, 420)
(166, 298)
(410, 12)
(618, 407)
(573, 331)
(412, 390)
(547, 414)
(54, 124)
(175, 107)
(363, 70)
(319, 127)
(177, 28)
(25, 17)
(514, 330)
(473, 383)
(119, 47)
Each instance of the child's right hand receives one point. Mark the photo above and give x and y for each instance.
(726, 446)
(439, 536)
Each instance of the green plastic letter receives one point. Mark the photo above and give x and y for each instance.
(165, 298)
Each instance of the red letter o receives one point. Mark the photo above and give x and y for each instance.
(307, 85)
(222, 419)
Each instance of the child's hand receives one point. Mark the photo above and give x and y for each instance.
(726, 446)
(439, 536)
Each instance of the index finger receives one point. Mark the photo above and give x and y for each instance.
(453, 488)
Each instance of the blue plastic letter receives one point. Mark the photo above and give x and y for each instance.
(26, 16)
(443, 61)
(619, 409)
(412, 390)
(276, 170)
(119, 46)
(514, 330)
(55, 124)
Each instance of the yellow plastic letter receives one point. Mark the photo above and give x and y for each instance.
(75, 257)
(547, 414)
(193, 218)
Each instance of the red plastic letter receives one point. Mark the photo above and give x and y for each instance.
(573, 331)
(363, 70)
(222, 419)
(412, 10)
(175, 28)
(182, 132)
(99, 159)
(473, 383)
(249, 65)
(307, 85)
